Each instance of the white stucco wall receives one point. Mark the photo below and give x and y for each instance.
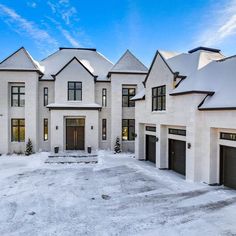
(117, 113)
(58, 136)
(29, 112)
(105, 112)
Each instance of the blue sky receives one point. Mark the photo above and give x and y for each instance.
(143, 26)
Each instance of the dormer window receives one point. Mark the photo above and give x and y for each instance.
(159, 98)
(74, 91)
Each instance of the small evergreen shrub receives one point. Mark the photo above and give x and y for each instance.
(29, 148)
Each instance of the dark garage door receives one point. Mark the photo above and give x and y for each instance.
(151, 148)
(228, 166)
(177, 156)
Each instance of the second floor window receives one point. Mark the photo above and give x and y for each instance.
(127, 94)
(17, 130)
(159, 98)
(17, 96)
(104, 97)
(74, 91)
(45, 96)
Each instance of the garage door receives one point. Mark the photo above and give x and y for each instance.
(177, 156)
(228, 166)
(151, 148)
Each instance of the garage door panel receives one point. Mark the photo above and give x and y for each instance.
(177, 156)
(228, 166)
(151, 148)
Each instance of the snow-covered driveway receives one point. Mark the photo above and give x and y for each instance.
(117, 196)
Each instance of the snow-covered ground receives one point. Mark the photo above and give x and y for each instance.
(117, 196)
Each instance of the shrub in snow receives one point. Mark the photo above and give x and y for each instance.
(29, 148)
(117, 146)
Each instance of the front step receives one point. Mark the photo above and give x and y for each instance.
(72, 159)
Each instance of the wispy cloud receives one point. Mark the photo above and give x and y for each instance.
(66, 34)
(32, 4)
(22, 26)
(220, 26)
(67, 12)
(71, 40)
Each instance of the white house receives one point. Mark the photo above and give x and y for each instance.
(185, 115)
(73, 99)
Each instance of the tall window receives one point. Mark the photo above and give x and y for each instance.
(104, 97)
(128, 129)
(127, 94)
(74, 91)
(159, 98)
(104, 129)
(17, 96)
(17, 130)
(45, 129)
(45, 96)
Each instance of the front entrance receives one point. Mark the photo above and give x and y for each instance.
(75, 134)
(151, 148)
(177, 156)
(228, 166)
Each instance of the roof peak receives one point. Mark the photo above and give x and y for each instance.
(129, 62)
(204, 49)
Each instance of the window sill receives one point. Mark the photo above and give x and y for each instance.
(74, 101)
(159, 112)
(17, 141)
(127, 141)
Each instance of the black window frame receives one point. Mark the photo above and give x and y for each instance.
(129, 95)
(18, 126)
(104, 97)
(74, 89)
(228, 136)
(150, 128)
(19, 94)
(45, 96)
(45, 129)
(159, 93)
(131, 137)
(104, 129)
(181, 132)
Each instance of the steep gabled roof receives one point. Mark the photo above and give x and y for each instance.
(95, 62)
(128, 63)
(20, 60)
(81, 63)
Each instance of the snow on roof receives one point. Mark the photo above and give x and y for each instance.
(188, 63)
(74, 105)
(139, 96)
(217, 77)
(21, 59)
(168, 54)
(129, 63)
(91, 59)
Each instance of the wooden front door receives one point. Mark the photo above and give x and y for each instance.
(75, 134)
(177, 156)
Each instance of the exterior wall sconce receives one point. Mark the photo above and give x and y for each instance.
(189, 145)
(91, 126)
(135, 135)
(157, 139)
(56, 127)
